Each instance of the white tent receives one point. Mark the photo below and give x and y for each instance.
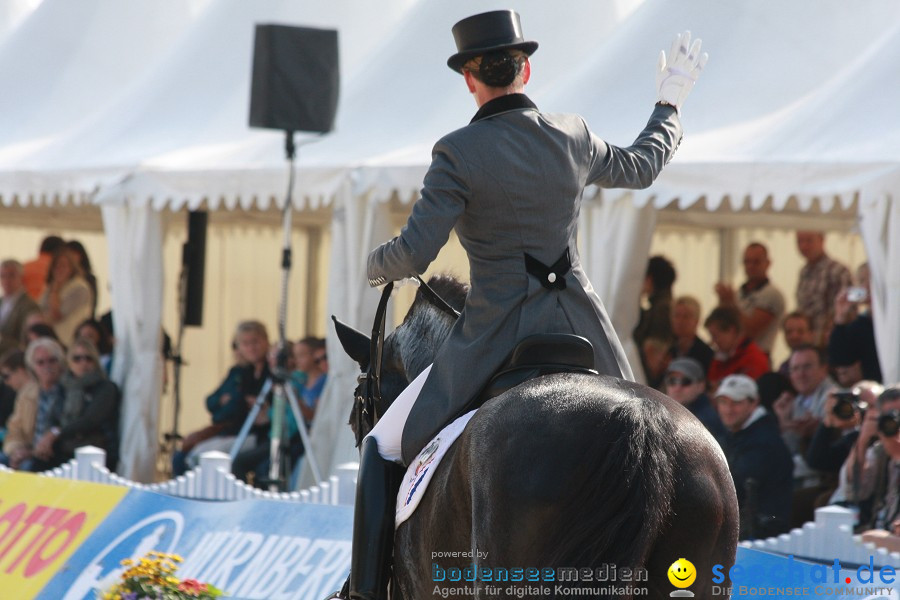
(13, 12)
(138, 89)
(793, 107)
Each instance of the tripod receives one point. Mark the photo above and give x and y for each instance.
(279, 469)
(282, 394)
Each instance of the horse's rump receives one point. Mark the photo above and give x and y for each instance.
(592, 459)
(565, 471)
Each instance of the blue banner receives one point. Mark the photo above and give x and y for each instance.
(250, 548)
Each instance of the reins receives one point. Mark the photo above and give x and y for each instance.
(368, 391)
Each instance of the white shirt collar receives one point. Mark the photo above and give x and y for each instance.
(758, 413)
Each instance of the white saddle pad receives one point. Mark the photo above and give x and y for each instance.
(419, 472)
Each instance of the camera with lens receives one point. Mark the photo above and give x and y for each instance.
(848, 404)
(889, 423)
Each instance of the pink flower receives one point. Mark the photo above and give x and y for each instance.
(192, 586)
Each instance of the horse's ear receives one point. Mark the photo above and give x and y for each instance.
(356, 344)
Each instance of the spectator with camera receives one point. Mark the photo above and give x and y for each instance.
(835, 437)
(851, 345)
(873, 471)
(861, 401)
(837, 433)
(759, 461)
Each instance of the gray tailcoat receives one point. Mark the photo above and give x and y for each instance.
(511, 182)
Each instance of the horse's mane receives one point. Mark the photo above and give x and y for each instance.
(425, 326)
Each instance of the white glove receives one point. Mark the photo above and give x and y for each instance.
(413, 281)
(677, 72)
(399, 283)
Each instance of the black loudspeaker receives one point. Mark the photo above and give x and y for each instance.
(193, 261)
(295, 78)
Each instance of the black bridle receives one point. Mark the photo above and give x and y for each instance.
(368, 390)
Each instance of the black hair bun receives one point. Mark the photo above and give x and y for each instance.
(498, 68)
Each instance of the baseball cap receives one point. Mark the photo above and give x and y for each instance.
(689, 367)
(738, 387)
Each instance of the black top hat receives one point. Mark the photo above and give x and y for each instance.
(495, 30)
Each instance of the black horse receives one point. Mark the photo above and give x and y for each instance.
(589, 472)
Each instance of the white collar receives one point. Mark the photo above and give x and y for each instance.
(755, 416)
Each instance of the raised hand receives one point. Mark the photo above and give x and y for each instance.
(677, 72)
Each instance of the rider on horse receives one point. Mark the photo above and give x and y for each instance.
(511, 184)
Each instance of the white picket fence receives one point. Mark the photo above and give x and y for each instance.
(211, 480)
(827, 538)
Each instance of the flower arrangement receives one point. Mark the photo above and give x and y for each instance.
(153, 577)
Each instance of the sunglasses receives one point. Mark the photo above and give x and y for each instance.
(679, 381)
(79, 358)
(43, 362)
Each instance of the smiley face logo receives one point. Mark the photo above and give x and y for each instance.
(682, 573)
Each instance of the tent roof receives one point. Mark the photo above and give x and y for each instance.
(795, 107)
(793, 104)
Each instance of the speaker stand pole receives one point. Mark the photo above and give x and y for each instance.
(279, 474)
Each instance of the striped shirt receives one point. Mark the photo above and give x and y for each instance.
(817, 288)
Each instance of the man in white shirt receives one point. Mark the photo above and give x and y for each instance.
(761, 303)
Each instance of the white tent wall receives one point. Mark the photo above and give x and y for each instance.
(615, 235)
(358, 222)
(881, 232)
(136, 277)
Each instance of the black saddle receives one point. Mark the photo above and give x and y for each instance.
(538, 355)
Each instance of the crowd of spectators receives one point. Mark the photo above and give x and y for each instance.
(820, 428)
(56, 357)
(52, 365)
